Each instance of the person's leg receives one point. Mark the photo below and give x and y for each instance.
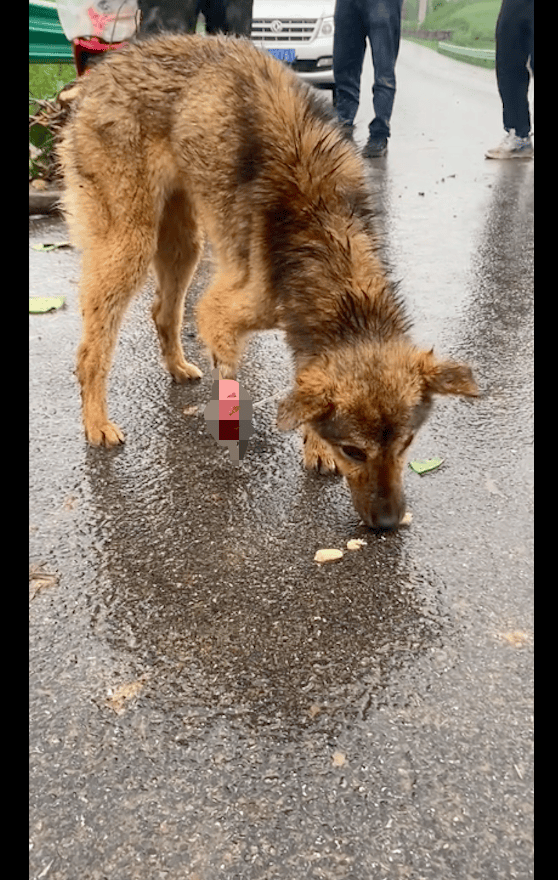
(214, 13)
(383, 27)
(349, 44)
(238, 18)
(514, 48)
(178, 16)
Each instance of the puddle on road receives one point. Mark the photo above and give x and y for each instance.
(217, 597)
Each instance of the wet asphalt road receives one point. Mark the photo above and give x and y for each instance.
(207, 703)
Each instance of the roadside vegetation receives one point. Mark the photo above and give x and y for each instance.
(472, 22)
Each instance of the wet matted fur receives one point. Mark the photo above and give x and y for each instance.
(178, 137)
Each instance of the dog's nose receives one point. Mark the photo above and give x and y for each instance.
(386, 513)
(386, 521)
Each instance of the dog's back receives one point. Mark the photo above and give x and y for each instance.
(215, 115)
(265, 170)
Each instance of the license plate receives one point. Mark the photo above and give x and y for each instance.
(288, 55)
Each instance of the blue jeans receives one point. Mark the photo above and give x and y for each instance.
(514, 47)
(380, 21)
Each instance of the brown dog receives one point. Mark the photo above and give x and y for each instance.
(181, 135)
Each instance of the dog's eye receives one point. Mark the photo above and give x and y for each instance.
(354, 452)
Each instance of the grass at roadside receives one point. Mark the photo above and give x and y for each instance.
(46, 80)
(472, 23)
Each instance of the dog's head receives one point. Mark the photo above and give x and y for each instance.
(366, 404)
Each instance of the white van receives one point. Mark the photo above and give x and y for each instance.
(300, 33)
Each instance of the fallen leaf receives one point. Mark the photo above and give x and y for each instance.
(407, 519)
(40, 304)
(40, 580)
(57, 245)
(40, 584)
(516, 638)
(190, 410)
(327, 555)
(338, 759)
(118, 697)
(45, 871)
(314, 710)
(424, 467)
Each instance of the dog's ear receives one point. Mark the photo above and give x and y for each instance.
(308, 401)
(447, 377)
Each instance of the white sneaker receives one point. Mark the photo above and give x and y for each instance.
(512, 147)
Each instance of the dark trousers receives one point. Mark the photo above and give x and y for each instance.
(514, 47)
(380, 21)
(180, 16)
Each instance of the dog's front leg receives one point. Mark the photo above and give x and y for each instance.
(222, 321)
(317, 454)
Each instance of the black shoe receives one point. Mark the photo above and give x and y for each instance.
(348, 131)
(375, 148)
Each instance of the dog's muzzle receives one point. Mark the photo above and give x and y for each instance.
(381, 512)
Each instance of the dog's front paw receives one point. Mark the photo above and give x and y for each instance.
(106, 434)
(317, 455)
(182, 372)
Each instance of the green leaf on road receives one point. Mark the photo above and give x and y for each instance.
(51, 247)
(40, 304)
(424, 467)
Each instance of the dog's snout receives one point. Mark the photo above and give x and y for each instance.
(384, 513)
(387, 520)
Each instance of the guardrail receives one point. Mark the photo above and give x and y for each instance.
(427, 35)
(466, 52)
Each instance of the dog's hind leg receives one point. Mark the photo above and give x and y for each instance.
(179, 247)
(110, 277)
